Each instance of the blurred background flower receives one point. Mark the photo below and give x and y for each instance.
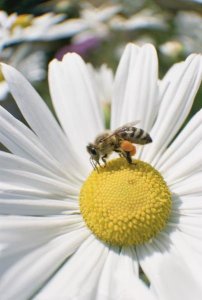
(29, 60)
(33, 32)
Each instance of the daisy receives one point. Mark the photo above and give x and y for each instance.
(145, 19)
(50, 26)
(70, 232)
(92, 22)
(91, 29)
(102, 78)
(29, 61)
(20, 28)
(188, 28)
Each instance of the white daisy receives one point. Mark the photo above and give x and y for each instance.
(171, 49)
(47, 249)
(6, 23)
(93, 22)
(102, 78)
(28, 60)
(20, 28)
(145, 19)
(188, 29)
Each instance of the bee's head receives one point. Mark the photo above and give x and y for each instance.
(93, 151)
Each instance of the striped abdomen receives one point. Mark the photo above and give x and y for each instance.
(135, 136)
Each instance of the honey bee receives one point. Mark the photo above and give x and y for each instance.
(120, 140)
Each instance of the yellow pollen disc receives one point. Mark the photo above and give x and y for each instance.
(23, 21)
(125, 204)
(1, 77)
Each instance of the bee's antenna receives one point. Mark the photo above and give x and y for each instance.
(93, 164)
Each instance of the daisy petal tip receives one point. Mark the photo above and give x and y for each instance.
(149, 47)
(130, 47)
(72, 56)
(53, 62)
(53, 65)
(195, 57)
(9, 72)
(150, 50)
(4, 67)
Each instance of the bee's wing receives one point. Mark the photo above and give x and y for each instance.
(122, 128)
(131, 124)
(103, 136)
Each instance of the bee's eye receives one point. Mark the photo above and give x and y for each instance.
(93, 151)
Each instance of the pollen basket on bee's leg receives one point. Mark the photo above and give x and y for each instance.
(125, 204)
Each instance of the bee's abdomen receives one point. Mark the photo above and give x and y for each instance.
(136, 136)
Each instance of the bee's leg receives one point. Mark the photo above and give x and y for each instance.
(104, 159)
(120, 153)
(128, 157)
(98, 163)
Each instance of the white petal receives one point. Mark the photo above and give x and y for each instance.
(185, 166)
(29, 181)
(20, 140)
(15, 192)
(189, 185)
(191, 250)
(103, 79)
(175, 107)
(168, 77)
(39, 207)
(3, 90)
(75, 102)
(188, 223)
(187, 226)
(127, 62)
(103, 13)
(77, 279)
(119, 277)
(11, 162)
(20, 232)
(143, 74)
(137, 69)
(190, 136)
(40, 119)
(187, 205)
(189, 230)
(29, 274)
(167, 272)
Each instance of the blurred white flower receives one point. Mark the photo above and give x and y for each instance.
(102, 79)
(18, 28)
(46, 247)
(6, 24)
(145, 19)
(189, 27)
(139, 41)
(92, 20)
(171, 49)
(29, 61)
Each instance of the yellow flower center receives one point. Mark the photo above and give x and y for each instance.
(125, 204)
(1, 77)
(23, 21)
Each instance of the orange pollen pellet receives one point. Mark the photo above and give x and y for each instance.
(132, 152)
(127, 146)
